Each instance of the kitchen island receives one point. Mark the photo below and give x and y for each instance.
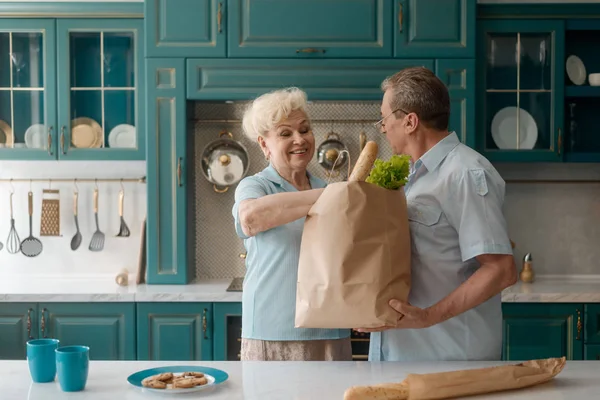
(285, 380)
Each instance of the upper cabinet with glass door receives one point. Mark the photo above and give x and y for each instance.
(27, 90)
(521, 75)
(100, 89)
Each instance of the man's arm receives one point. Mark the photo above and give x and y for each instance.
(496, 273)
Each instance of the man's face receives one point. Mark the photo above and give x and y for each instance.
(393, 127)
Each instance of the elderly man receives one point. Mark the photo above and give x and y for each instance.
(461, 253)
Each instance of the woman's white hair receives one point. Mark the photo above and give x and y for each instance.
(270, 109)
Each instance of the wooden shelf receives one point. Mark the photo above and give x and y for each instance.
(582, 91)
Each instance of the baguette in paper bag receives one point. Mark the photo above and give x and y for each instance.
(453, 384)
(355, 254)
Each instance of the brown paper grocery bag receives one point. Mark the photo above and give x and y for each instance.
(354, 258)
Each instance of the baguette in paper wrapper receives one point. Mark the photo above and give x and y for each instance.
(453, 384)
(355, 254)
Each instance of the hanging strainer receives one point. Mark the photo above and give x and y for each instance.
(31, 246)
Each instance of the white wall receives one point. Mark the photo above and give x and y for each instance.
(57, 257)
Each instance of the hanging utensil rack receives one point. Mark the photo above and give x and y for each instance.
(77, 180)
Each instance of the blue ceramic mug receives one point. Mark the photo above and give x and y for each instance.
(41, 359)
(72, 364)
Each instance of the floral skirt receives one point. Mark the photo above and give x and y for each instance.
(302, 350)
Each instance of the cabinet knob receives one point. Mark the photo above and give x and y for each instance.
(43, 323)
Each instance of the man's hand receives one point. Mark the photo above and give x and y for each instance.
(409, 317)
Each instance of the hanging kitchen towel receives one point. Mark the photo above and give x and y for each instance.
(50, 222)
(355, 252)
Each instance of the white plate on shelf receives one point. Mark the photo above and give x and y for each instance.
(504, 129)
(34, 137)
(575, 70)
(122, 136)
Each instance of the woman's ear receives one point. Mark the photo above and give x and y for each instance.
(263, 146)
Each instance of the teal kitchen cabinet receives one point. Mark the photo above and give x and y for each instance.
(592, 352)
(100, 89)
(520, 80)
(227, 331)
(309, 28)
(434, 28)
(542, 330)
(229, 79)
(28, 89)
(18, 324)
(70, 89)
(174, 331)
(592, 323)
(166, 172)
(185, 28)
(459, 77)
(107, 328)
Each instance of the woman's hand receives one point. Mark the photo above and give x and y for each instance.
(271, 211)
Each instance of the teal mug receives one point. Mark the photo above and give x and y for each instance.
(41, 359)
(72, 364)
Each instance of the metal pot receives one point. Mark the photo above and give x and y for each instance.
(330, 150)
(225, 162)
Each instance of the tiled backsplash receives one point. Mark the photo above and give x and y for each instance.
(57, 258)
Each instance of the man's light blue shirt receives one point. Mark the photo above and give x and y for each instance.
(455, 199)
(269, 296)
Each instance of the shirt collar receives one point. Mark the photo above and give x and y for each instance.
(434, 156)
(271, 174)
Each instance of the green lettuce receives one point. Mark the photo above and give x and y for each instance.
(392, 174)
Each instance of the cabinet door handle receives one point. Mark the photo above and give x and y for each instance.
(310, 50)
(62, 139)
(579, 325)
(179, 182)
(204, 323)
(220, 16)
(559, 141)
(401, 17)
(43, 324)
(50, 140)
(29, 323)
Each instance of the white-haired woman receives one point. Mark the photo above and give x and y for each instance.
(269, 212)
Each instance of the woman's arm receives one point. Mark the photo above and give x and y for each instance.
(267, 212)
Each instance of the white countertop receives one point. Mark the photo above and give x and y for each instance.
(286, 380)
(551, 289)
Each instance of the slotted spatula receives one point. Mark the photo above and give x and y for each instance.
(97, 242)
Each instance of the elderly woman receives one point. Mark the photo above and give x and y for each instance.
(269, 212)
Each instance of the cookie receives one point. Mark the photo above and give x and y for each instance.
(194, 374)
(165, 376)
(184, 383)
(200, 381)
(154, 384)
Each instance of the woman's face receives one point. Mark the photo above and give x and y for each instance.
(291, 144)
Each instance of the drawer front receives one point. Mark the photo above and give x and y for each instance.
(322, 79)
(310, 28)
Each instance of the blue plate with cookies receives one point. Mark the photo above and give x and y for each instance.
(177, 379)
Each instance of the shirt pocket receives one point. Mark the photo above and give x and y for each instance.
(424, 220)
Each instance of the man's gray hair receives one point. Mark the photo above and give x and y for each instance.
(418, 90)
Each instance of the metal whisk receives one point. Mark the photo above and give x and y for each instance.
(13, 243)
